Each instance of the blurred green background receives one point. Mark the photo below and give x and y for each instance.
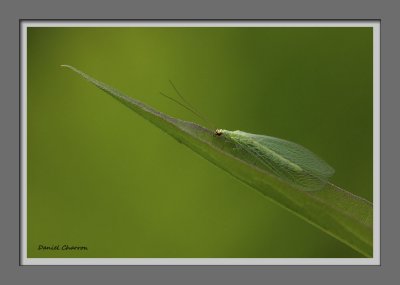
(102, 177)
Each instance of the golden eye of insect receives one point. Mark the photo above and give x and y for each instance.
(218, 132)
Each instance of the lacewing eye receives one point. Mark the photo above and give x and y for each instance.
(218, 132)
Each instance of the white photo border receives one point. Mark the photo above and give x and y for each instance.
(374, 24)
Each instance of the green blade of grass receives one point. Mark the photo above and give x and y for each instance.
(335, 211)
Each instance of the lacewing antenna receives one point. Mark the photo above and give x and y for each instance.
(185, 104)
(180, 96)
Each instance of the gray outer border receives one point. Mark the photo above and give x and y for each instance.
(11, 12)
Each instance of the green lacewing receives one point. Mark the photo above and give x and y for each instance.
(287, 160)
